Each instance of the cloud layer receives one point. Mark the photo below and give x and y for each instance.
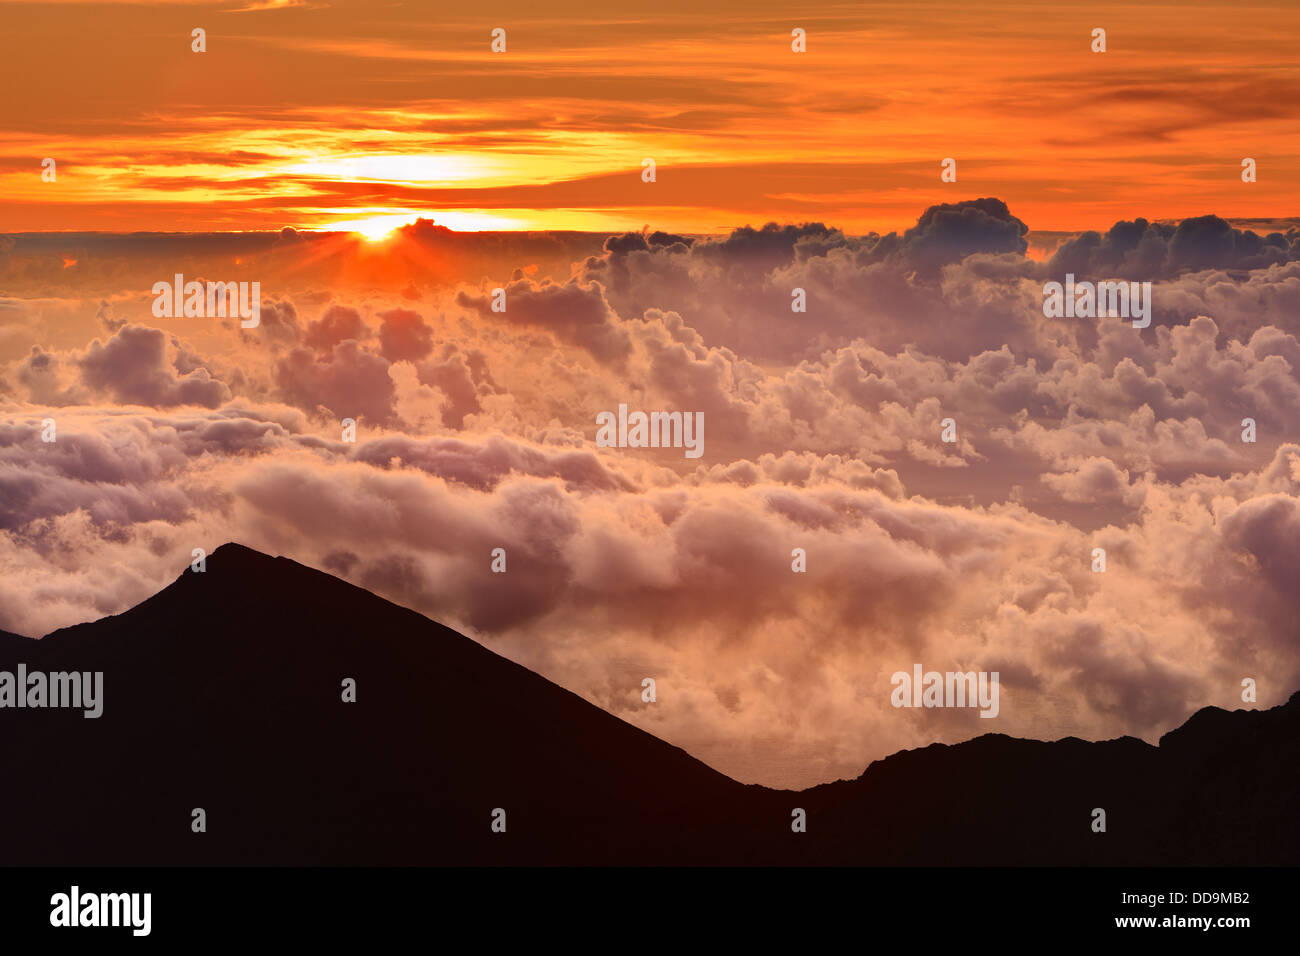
(475, 431)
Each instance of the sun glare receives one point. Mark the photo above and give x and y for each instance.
(380, 225)
(373, 228)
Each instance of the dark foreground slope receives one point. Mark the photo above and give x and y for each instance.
(222, 692)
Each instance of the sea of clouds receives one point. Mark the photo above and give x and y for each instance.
(476, 431)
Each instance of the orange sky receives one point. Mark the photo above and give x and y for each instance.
(321, 115)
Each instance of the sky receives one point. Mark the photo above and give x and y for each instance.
(387, 182)
(370, 114)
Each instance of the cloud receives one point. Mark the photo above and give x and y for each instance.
(575, 313)
(350, 382)
(338, 324)
(403, 336)
(133, 368)
(950, 232)
(1140, 250)
(822, 433)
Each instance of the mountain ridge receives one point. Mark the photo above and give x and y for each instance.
(231, 678)
(246, 552)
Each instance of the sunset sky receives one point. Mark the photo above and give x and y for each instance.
(468, 176)
(325, 115)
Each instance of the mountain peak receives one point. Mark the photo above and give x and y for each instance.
(233, 549)
(232, 555)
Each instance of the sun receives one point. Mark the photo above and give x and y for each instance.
(374, 229)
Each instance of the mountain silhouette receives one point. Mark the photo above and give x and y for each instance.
(223, 692)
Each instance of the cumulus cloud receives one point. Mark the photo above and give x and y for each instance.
(337, 324)
(348, 382)
(1143, 250)
(823, 433)
(575, 313)
(404, 336)
(133, 367)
